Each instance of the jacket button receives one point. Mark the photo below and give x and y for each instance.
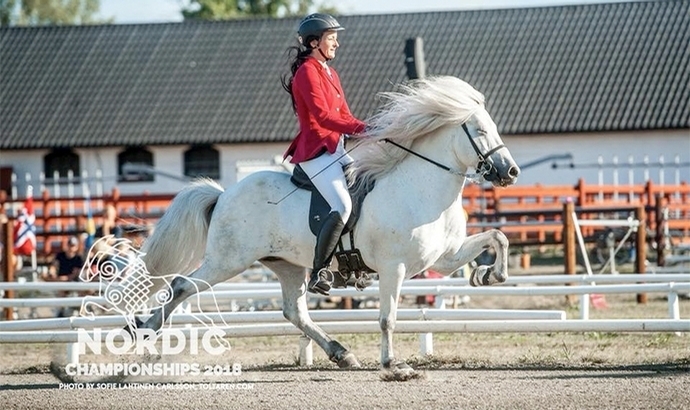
(337, 109)
(338, 95)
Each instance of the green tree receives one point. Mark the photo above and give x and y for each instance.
(48, 12)
(231, 9)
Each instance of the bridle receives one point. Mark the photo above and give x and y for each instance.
(484, 166)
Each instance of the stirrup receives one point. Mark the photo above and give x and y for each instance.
(363, 281)
(321, 282)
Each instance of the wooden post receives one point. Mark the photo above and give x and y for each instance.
(641, 247)
(47, 245)
(648, 192)
(581, 193)
(660, 222)
(569, 247)
(8, 263)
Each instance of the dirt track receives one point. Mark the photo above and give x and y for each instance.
(639, 387)
(492, 371)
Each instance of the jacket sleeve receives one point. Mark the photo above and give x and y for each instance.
(309, 87)
(345, 110)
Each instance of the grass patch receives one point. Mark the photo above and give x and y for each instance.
(660, 340)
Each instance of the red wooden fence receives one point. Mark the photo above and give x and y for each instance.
(532, 214)
(527, 214)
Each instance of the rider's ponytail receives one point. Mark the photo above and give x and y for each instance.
(300, 56)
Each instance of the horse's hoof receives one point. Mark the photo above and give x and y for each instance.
(401, 367)
(132, 327)
(501, 278)
(348, 361)
(480, 276)
(400, 372)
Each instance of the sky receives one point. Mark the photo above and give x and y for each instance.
(159, 11)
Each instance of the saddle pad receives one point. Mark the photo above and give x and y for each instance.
(319, 208)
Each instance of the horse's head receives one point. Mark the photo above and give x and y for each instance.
(446, 119)
(483, 149)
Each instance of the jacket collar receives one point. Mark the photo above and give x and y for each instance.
(324, 73)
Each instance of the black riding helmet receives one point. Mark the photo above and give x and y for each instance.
(314, 25)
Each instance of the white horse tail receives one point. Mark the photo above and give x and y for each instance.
(178, 241)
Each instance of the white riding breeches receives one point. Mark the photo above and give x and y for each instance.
(326, 173)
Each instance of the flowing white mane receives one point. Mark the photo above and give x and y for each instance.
(418, 109)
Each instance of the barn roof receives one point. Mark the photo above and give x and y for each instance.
(582, 68)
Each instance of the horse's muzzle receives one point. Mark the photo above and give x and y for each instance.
(503, 175)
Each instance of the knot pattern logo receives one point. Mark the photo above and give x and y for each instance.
(127, 288)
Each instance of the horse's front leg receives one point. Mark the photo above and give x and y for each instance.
(472, 247)
(294, 285)
(390, 283)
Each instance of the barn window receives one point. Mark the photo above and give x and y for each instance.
(135, 164)
(202, 161)
(61, 161)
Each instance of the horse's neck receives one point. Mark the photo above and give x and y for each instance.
(438, 187)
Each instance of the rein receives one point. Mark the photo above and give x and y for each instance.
(483, 167)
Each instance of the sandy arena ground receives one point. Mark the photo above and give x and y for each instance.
(492, 371)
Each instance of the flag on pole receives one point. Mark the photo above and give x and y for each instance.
(25, 229)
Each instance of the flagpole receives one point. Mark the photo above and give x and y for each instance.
(34, 262)
(8, 265)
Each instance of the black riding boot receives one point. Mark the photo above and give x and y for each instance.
(321, 278)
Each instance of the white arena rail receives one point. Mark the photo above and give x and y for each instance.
(423, 321)
(403, 326)
(671, 289)
(513, 280)
(325, 315)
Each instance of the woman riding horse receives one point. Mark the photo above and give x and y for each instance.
(319, 103)
(421, 148)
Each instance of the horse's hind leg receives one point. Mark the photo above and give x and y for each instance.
(293, 283)
(182, 287)
(472, 247)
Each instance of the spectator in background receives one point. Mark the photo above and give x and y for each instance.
(109, 226)
(67, 263)
(65, 267)
(429, 300)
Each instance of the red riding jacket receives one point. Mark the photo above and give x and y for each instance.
(322, 112)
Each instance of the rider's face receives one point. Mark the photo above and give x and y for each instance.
(329, 43)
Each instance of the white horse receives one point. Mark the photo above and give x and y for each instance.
(422, 144)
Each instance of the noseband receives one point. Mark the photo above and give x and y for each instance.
(484, 166)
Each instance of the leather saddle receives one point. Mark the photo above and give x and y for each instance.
(352, 270)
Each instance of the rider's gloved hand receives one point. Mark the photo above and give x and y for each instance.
(364, 134)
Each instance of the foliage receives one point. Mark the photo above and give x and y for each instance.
(232, 9)
(75, 12)
(48, 12)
